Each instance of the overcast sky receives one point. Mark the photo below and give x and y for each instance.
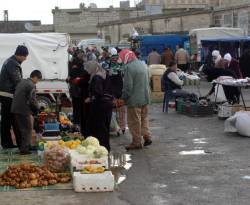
(41, 9)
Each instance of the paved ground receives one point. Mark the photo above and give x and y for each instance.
(160, 175)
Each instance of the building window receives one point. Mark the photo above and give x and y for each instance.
(228, 20)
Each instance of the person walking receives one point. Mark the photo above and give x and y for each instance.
(136, 97)
(182, 58)
(23, 107)
(100, 101)
(154, 57)
(11, 74)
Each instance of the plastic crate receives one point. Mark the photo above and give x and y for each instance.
(194, 109)
(52, 126)
(104, 182)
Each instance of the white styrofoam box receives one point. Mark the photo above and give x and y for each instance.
(104, 182)
(78, 161)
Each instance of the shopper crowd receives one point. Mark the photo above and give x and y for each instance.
(102, 85)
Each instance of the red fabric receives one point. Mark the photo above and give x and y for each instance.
(235, 68)
(127, 56)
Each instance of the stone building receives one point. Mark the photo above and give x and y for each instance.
(81, 23)
(234, 16)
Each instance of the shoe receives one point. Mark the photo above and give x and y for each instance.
(147, 143)
(25, 152)
(133, 147)
(9, 146)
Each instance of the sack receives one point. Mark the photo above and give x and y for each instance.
(243, 124)
(240, 123)
(221, 97)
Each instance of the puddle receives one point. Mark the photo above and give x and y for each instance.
(174, 171)
(159, 186)
(246, 177)
(193, 152)
(119, 163)
(200, 141)
(195, 187)
(194, 132)
(182, 145)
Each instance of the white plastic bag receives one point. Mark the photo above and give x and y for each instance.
(114, 127)
(243, 124)
(219, 91)
(240, 123)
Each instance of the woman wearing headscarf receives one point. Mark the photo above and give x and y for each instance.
(101, 103)
(232, 65)
(136, 96)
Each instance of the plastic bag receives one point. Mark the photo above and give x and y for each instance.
(57, 159)
(114, 127)
(219, 91)
(243, 124)
(240, 123)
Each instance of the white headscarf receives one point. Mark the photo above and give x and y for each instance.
(113, 51)
(228, 57)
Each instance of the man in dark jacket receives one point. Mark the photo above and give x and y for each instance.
(10, 76)
(25, 105)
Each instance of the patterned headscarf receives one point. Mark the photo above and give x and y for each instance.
(127, 56)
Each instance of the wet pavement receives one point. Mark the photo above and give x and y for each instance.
(191, 162)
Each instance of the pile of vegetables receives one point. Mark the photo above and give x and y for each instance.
(72, 144)
(92, 148)
(27, 175)
(92, 170)
(57, 159)
(64, 120)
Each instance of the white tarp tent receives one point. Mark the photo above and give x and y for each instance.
(47, 53)
(215, 32)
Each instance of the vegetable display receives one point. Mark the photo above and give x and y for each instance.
(27, 175)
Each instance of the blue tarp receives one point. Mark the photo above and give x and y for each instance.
(159, 42)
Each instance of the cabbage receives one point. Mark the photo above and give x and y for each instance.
(101, 152)
(91, 141)
(90, 150)
(81, 149)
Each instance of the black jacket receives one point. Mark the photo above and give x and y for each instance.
(11, 74)
(24, 101)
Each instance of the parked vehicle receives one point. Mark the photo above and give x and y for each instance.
(47, 53)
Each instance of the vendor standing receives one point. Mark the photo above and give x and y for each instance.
(11, 74)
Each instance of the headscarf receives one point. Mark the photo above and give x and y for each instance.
(215, 53)
(127, 56)
(113, 51)
(228, 57)
(93, 68)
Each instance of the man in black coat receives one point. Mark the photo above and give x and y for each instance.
(11, 74)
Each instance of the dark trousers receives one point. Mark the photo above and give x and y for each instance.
(24, 126)
(98, 123)
(183, 67)
(84, 118)
(77, 104)
(7, 120)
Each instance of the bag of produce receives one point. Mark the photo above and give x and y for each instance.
(57, 159)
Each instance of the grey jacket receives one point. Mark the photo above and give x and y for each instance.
(11, 74)
(136, 84)
(24, 101)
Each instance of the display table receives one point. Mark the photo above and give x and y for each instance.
(227, 81)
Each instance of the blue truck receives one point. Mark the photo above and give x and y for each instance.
(145, 43)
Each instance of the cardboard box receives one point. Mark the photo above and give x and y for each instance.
(156, 83)
(157, 95)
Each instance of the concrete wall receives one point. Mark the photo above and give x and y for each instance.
(237, 16)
